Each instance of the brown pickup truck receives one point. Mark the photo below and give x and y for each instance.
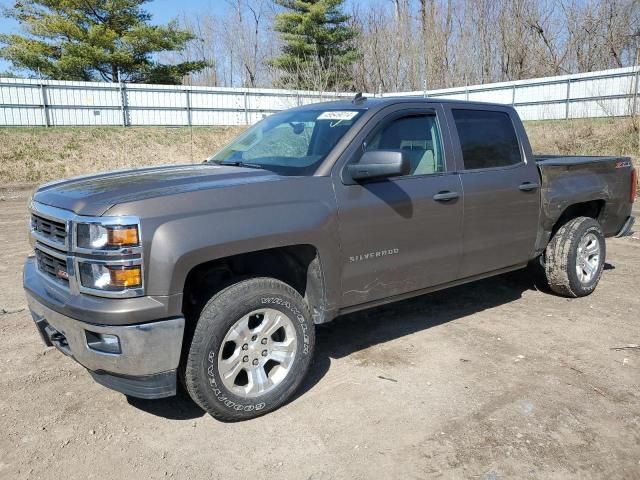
(215, 275)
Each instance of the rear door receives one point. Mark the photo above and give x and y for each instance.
(400, 234)
(501, 186)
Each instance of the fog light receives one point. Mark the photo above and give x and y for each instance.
(104, 343)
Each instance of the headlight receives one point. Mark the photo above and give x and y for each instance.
(106, 237)
(101, 243)
(110, 278)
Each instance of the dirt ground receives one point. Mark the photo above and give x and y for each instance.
(490, 380)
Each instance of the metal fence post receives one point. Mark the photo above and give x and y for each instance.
(188, 95)
(123, 101)
(246, 109)
(45, 105)
(635, 93)
(566, 111)
(513, 96)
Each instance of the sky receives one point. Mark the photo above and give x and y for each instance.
(161, 10)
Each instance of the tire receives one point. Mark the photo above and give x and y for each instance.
(235, 329)
(578, 242)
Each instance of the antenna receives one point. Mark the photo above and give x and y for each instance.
(358, 98)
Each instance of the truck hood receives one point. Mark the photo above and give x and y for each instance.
(94, 194)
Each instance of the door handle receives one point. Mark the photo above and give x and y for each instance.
(445, 196)
(528, 186)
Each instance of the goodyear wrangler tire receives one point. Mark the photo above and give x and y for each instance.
(574, 258)
(251, 349)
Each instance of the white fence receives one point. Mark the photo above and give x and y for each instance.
(608, 93)
(27, 102)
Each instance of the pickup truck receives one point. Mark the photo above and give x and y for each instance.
(213, 276)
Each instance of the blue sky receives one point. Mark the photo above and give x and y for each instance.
(162, 11)
(165, 10)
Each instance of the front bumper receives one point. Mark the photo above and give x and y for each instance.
(148, 356)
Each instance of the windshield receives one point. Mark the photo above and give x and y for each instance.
(290, 142)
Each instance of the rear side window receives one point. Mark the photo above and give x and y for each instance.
(488, 139)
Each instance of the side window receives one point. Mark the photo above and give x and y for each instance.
(418, 135)
(487, 138)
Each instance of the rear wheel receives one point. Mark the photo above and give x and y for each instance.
(574, 258)
(251, 349)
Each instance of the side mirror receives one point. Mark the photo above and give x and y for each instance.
(380, 164)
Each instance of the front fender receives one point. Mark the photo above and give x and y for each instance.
(231, 233)
(183, 231)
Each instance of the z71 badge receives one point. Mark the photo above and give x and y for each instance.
(623, 164)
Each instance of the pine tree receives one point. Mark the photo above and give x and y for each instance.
(94, 39)
(318, 46)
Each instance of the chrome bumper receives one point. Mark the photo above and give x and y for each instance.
(147, 352)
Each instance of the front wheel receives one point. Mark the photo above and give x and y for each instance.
(251, 349)
(574, 258)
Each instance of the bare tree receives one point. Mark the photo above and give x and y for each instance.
(404, 43)
(249, 39)
(236, 43)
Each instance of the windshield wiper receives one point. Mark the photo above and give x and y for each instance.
(239, 163)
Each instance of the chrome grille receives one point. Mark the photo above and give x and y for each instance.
(51, 266)
(46, 229)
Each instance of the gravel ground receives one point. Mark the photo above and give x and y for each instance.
(492, 380)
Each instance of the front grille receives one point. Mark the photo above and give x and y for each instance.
(52, 266)
(50, 229)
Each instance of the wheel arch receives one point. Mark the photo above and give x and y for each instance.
(297, 265)
(591, 208)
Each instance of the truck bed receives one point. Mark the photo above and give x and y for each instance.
(552, 160)
(600, 183)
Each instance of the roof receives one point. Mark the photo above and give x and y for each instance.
(379, 102)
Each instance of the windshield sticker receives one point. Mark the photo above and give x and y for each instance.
(337, 115)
